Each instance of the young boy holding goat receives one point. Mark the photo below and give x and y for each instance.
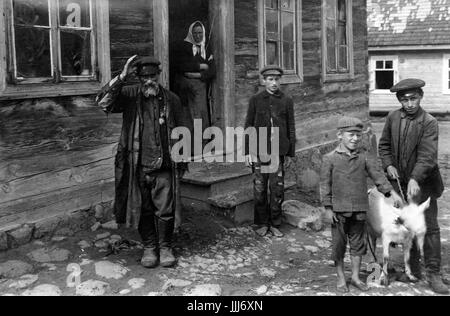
(343, 189)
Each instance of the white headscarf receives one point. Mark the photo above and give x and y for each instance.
(202, 44)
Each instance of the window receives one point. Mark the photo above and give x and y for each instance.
(280, 41)
(383, 73)
(446, 76)
(337, 40)
(54, 47)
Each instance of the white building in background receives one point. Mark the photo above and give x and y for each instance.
(409, 39)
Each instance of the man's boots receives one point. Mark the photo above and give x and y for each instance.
(147, 230)
(150, 258)
(165, 232)
(432, 249)
(436, 284)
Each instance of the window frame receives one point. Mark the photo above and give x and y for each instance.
(290, 77)
(69, 86)
(331, 77)
(373, 69)
(446, 74)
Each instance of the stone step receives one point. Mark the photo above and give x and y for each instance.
(206, 180)
(238, 205)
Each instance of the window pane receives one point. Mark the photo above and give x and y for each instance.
(449, 63)
(33, 52)
(288, 5)
(287, 20)
(343, 65)
(31, 12)
(272, 25)
(342, 10)
(273, 4)
(74, 13)
(342, 34)
(384, 80)
(330, 9)
(380, 64)
(331, 47)
(389, 64)
(288, 56)
(272, 53)
(76, 53)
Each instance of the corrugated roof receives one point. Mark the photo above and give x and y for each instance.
(408, 22)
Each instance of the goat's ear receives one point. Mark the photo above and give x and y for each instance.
(424, 206)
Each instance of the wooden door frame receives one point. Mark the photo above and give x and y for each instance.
(221, 14)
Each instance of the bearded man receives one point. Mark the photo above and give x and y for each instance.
(145, 173)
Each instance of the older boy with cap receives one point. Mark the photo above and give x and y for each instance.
(409, 152)
(270, 109)
(145, 172)
(343, 188)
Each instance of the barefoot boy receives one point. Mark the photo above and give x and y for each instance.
(343, 188)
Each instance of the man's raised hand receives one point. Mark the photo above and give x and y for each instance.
(128, 68)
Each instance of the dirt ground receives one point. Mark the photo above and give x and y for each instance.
(214, 259)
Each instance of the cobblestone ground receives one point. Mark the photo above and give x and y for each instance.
(213, 260)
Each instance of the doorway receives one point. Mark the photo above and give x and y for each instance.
(174, 17)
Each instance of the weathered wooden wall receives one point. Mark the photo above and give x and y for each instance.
(427, 65)
(57, 154)
(317, 104)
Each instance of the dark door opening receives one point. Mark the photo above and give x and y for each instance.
(182, 14)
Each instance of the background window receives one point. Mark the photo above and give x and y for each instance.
(53, 40)
(383, 71)
(337, 39)
(280, 35)
(336, 29)
(384, 74)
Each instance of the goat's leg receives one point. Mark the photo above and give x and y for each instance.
(420, 239)
(385, 274)
(407, 254)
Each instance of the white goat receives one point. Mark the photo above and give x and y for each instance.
(398, 226)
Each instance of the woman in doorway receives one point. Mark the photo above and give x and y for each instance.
(194, 70)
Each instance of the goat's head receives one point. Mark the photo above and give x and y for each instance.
(413, 216)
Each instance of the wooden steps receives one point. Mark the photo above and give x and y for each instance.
(223, 188)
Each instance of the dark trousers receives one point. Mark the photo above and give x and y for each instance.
(268, 195)
(348, 230)
(432, 243)
(156, 224)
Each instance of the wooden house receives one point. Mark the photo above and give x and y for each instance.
(57, 149)
(409, 39)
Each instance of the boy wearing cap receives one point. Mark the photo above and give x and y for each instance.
(145, 173)
(343, 189)
(409, 152)
(270, 109)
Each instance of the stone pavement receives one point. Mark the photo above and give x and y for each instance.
(214, 259)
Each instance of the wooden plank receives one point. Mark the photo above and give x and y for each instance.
(53, 181)
(57, 202)
(223, 41)
(161, 37)
(31, 166)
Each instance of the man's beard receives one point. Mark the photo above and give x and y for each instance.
(150, 89)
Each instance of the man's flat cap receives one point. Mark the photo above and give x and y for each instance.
(147, 60)
(148, 66)
(350, 124)
(408, 84)
(272, 70)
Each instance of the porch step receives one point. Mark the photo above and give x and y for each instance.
(238, 205)
(204, 181)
